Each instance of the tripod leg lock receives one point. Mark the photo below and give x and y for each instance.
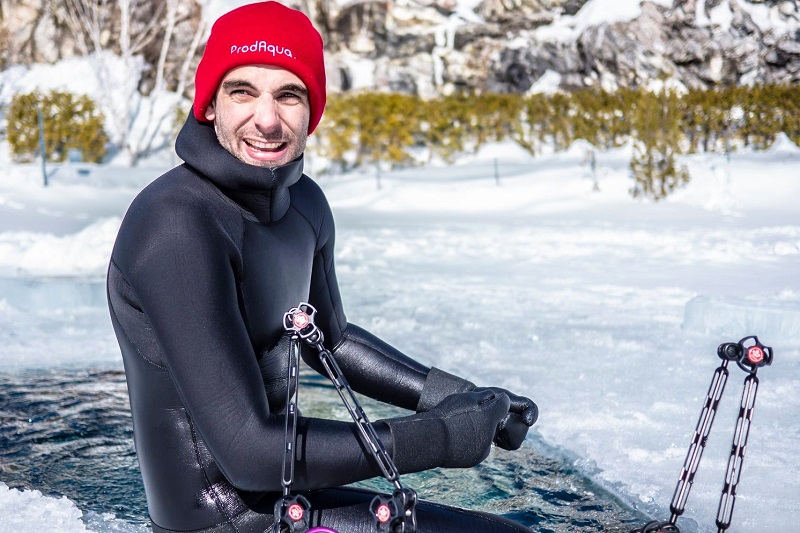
(292, 514)
(395, 513)
(748, 353)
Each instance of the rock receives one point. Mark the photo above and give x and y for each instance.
(431, 47)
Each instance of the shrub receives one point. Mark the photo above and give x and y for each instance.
(70, 122)
(656, 121)
(447, 125)
(383, 128)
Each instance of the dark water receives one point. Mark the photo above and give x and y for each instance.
(68, 432)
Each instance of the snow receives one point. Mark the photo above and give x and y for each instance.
(213, 9)
(770, 19)
(604, 309)
(548, 83)
(722, 16)
(44, 514)
(74, 74)
(593, 13)
(776, 19)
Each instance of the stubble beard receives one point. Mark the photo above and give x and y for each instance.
(230, 141)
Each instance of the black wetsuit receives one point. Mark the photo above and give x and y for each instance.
(208, 259)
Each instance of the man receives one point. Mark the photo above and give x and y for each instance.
(210, 257)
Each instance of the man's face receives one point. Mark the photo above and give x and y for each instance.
(260, 115)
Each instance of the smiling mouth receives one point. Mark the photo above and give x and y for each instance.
(265, 146)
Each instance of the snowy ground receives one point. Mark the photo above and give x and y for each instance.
(606, 310)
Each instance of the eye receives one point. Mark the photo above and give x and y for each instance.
(241, 93)
(290, 96)
(238, 91)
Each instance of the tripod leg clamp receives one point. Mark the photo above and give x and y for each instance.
(395, 513)
(292, 514)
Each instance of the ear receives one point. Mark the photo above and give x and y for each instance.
(210, 112)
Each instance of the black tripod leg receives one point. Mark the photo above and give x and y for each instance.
(749, 354)
(738, 447)
(699, 440)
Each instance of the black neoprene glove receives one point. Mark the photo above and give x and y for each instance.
(456, 433)
(511, 431)
(522, 414)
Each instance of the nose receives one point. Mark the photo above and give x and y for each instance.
(266, 116)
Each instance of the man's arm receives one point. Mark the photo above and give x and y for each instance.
(380, 371)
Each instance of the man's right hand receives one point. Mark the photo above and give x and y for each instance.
(472, 419)
(455, 433)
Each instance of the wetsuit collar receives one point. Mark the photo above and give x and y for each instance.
(260, 190)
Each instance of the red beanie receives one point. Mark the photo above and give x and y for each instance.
(266, 33)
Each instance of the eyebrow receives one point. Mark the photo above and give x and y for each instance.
(237, 84)
(293, 87)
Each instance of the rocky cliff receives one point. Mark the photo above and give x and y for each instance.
(430, 47)
(535, 45)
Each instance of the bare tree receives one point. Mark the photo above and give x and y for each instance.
(135, 24)
(139, 47)
(87, 19)
(169, 27)
(151, 120)
(140, 23)
(199, 35)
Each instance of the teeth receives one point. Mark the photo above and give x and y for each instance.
(264, 145)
